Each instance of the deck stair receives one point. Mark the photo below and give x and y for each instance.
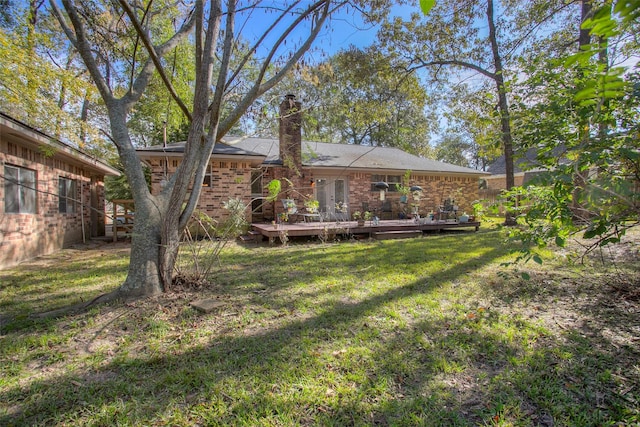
(252, 236)
(404, 234)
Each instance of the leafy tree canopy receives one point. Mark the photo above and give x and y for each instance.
(580, 113)
(357, 97)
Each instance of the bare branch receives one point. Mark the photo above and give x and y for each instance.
(78, 38)
(260, 88)
(215, 110)
(457, 63)
(154, 57)
(257, 44)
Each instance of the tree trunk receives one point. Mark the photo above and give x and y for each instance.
(144, 276)
(170, 239)
(580, 177)
(503, 105)
(161, 218)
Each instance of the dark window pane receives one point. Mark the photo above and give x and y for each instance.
(11, 190)
(28, 180)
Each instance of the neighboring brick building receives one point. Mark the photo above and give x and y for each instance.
(331, 173)
(51, 194)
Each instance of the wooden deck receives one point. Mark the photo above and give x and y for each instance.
(390, 228)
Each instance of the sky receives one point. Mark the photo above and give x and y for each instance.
(346, 27)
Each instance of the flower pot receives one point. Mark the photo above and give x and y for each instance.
(463, 218)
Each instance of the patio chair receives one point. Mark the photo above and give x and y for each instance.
(449, 207)
(290, 207)
(386, 211)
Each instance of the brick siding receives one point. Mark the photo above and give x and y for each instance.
(24, 236)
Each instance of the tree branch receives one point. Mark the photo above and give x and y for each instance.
(456, 63)
(153, 54)
(78, 38)
(257, 44)
(258, 89)
(214, 117)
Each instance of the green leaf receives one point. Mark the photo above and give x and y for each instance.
(560, 241)
(426, 5)
(274, 188)
(537, 259)
(588, 102)
(525, 276)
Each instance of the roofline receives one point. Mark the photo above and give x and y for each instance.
(35, 136)
(147, 153)
(151, 154)
(341, 169)
(504, 175)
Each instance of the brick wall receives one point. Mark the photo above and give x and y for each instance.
(24, 236)
(436, 188)
(224, 180)
(232, 180)
(499, 182)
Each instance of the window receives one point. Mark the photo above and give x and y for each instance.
(256, 191)
(207, 180)
(66, 195)
(19, 190)
(393, 180)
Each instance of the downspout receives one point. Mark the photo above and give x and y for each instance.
(84, 238)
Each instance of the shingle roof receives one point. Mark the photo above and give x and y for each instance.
(178, 147)
(321, 154)
(326, 155)
(523, 162)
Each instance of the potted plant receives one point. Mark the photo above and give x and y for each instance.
(404, 188)
(368, 216)
(357, 215)
(289, 205)
(416, 195)
(478, 211)
(312, 205)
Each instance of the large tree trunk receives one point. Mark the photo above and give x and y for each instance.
(161, 218)
(580, 177)
(503, 105)
(144, 276)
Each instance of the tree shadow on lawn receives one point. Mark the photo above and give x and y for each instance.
(346, 363)
(271, 374)
(595, 351)
(55, 280)
(359, 262)
(76, 282)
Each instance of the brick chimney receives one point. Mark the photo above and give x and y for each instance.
(291, 135)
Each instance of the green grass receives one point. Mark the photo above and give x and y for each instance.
(402, 332)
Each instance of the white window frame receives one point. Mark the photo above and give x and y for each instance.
(20, 190)
(67, 192)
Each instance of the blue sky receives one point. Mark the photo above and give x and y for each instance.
(346, 27)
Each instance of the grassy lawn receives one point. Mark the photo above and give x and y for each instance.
(417, 332)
